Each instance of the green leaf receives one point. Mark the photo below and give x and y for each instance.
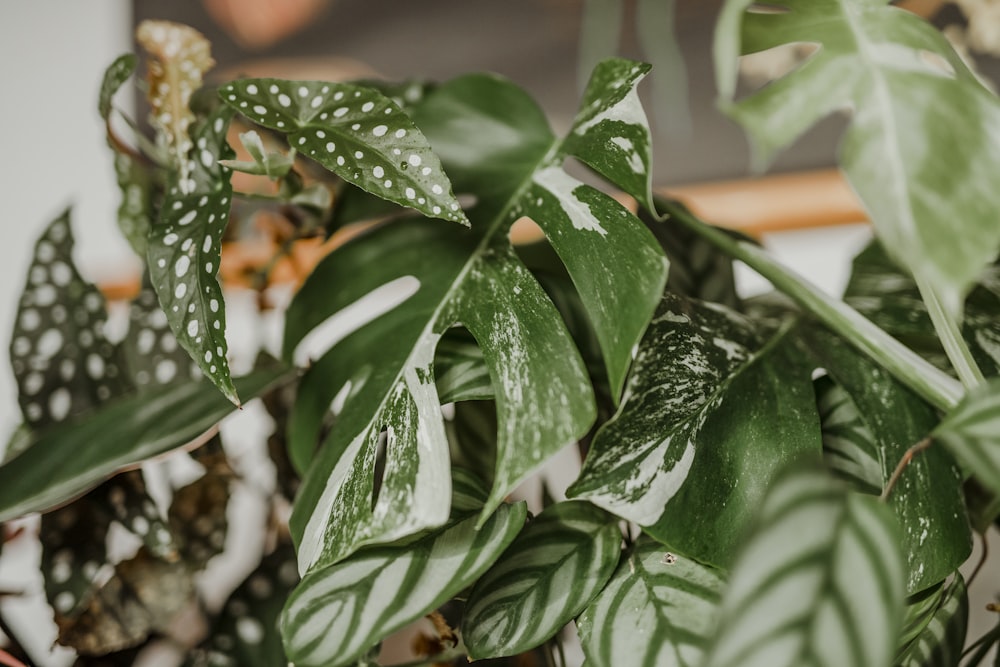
(659, 610)
(72, 457)
(459, 369)
(920, 146)
(548, 575)
(698, 409)
(849, 446)
(63, 364)
(943, 624)
(927, 499)
(273, 165)
(115, 75)
(197, 512)
(338, 612)
(184, 250)
(971, 433)
(495, 141)
(154, 357)
(819, 582)
(357, 133)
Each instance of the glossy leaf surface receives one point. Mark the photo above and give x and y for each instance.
(472, 278)
(659, 610)
(184, 251)
(922, 138)
(698, 408)
(927, 499)
(556, 565)
(819, 582)
(338, 612)
(66, 460)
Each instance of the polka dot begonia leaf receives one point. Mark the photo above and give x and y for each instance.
(115, 75)
(154, 356)
(355, 132)
(197, 514)
(126, 497)
(62, 362)
(184, 252)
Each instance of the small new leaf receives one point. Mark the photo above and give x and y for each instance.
(273, 165)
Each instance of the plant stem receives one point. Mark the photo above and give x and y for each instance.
(951, 337)
(901, 466)
(931, 384)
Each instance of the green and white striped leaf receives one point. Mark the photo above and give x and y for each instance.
(922, 141)
(338, 612)
(547, 576)
(820, 581)
(700, 404)
(506, 155)
(459, 369)
(659, 610)
(971, 432)
(940, 628)
(927, 500)
(357, 133)
(184, 250)
(849, 447)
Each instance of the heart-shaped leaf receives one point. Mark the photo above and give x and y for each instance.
(543, 396)
(927, 499)
(942, 624)
(357, 133)
(548, 575)
(922, 169)
(820, 581)
(700, 404)
(659, 610)
(338, 612)
(184, 250)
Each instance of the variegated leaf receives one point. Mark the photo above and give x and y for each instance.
(971, 432)
(70, 458)
(940, 628)
(338, 612)
(474, 279)
(130, 504)
(849, 446)
(922, 140)
(63, 364)
(820, 582)
(927, 499)
(154, 357)
(184, 250)
(473, 436)
(355, 132)
(659, 610)
(115, 75)
(459, 369)
(547, 576)
(262, 163)
(699, 404)
(197, 514)
(74, 549)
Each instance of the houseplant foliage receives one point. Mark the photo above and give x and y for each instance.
(780, 481)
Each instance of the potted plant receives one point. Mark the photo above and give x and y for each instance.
(786, 480)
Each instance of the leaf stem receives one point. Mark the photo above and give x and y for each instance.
(933, 385)
(904, 461)
(949, 332)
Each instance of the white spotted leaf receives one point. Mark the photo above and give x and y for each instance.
(382, 375)
(357, 133)
(338, 612)
(63, 364)
(698, 405)
(820, 581)
(922, 140)
(185, 247)
(658, 610)
(115, 75)
(197, 514)
(554, 568)
(153, 354)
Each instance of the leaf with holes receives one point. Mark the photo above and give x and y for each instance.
(658, 610)
(63, 364)
(700, 404)
(68, 459)
(819, 582)
(922, 140)
(357, 133)
(927, 500)
(548, 575)
(971, 432)
(338, 612)
(184, 250)
(505, 154)
(943, 625)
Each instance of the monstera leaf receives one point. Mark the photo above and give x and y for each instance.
(700, 405)
(494, 141)
(922, 139)
(888, 419)
(819, 582)
(659, 610)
